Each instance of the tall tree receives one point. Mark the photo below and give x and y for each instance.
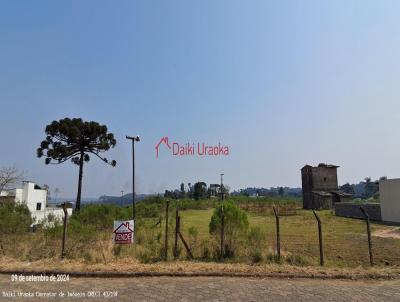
(200, 190)
(347, 188)
(74, 139)
(183, 192)
(371, 188)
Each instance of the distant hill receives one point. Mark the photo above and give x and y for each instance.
(53, 201)
(119, 200)
(104, 199)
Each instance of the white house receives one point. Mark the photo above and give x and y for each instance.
(389, 191)
(36, 200)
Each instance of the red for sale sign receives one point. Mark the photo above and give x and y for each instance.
(123, 232)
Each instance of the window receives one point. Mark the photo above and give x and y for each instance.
(38, 206)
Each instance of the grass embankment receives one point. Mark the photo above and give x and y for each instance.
(132, 267)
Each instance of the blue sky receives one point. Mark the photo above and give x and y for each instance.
(283, 83)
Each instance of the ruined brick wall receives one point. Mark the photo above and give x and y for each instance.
(324, 179)
(318, 179)
(307, 187)
(352, 210)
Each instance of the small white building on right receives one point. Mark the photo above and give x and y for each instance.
(389, 191)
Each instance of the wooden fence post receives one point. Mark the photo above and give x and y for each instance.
(64, 238)
(321, 248)
(371, 258)
(166, 232)
(176, 232)
(189, 252)
(222, 231)
(278, 236)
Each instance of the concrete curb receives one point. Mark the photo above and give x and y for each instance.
(102, 274)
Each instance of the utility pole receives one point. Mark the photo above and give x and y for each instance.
(122, 198)
(133, 139)
(222, 186)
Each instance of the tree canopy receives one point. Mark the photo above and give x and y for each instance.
(74, 139)
(235, 224)
(200, 190)
(67, 138)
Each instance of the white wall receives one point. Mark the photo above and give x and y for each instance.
(58, 214)
(31, 196)
(3, 193)
(389, 191)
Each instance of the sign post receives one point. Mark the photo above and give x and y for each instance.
(123, 232)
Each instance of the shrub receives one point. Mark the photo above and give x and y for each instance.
(255, 238)
(100, 216)
(15, 218)
(256, 256)
(236, 225)
(145, 210)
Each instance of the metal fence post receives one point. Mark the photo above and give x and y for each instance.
(371, 258)
(321, 248)
(278, 236)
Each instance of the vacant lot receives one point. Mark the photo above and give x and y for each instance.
(345, 239)
(89, 237)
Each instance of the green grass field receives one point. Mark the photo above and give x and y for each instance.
(345, 239)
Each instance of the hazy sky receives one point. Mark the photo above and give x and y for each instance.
(283, 83)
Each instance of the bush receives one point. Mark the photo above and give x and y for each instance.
(255, 239)
(15, 218)
(236, 225)
(151, 210)
(100, 216)
(256, 256)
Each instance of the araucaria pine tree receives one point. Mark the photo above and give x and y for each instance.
(74, 139)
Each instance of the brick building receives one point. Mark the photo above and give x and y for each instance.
(320, 187)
